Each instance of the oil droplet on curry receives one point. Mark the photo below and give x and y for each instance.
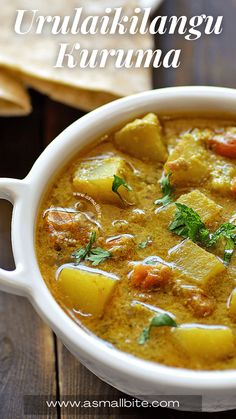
(136, 240)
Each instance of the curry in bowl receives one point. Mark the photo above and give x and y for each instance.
(135, 239)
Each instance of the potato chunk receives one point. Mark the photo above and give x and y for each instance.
(205, 207)
(223, 177)
(87, 290)
(142, 138)
(208, 342)
(187, 162)
(208, 210)
(194, 262)
(232, 304)
(95, 178)
(233, 219)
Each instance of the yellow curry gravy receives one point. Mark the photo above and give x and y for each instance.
(133, 229)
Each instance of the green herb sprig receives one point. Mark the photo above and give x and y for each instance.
(188, 224)
(145, 243)
(227, 232)
(95, 255)
(98, 255)
(117, 183)
(160, 320)
(166, 189)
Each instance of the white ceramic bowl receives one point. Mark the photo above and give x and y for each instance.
(125, 372)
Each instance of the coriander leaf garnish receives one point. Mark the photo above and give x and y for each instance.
(160, 320)
(188, 224)
(227, 232)
(145, 243)
(95, 255)
(91, 241)
(83, 252)
(117, 183)
(98, 255)
(166, 191)
(229, 250)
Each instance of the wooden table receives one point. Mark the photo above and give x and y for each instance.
(32, 359)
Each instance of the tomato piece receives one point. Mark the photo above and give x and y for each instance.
(224, 145)
(194, 298)
(148, 277)
(121, 246)
(67, 226)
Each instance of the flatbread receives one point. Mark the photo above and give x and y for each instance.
(28, 60)
(14, 99)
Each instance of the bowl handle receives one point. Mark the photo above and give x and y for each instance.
(14, 281)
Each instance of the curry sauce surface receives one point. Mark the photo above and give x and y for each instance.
(122, 324)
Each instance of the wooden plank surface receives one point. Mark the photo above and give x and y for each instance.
(210, 60)
(27, 346)
(31, 360)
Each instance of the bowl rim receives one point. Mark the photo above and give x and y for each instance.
(71, 333)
